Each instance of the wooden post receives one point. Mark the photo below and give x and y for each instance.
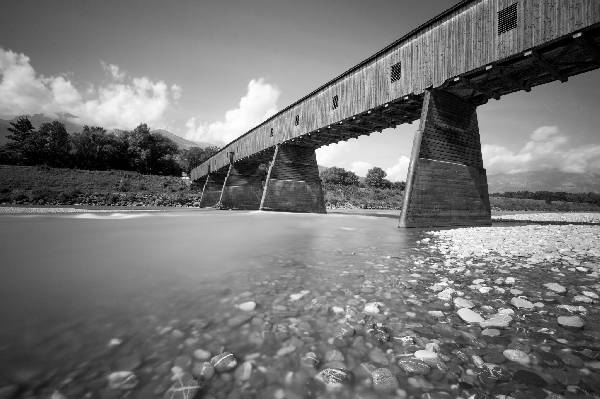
(264, 194)
(219, 205)
(204, 187)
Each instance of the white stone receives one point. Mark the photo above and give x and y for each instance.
(463, 303)
(122, 380)
(583, 298)
(490, 332)
(515, 355)
(426, 355)
(201, 354)
(247, 306)
(508, 311)
(373, 307)
(521, 303)
(469, 316)
(435, 313)
(590, 294)
(498, 320)
(570, 321)
(510, 280)
(299, 295)
(337, 309)
(555, 287)
(446, 294)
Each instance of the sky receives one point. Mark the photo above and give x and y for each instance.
(211, 70)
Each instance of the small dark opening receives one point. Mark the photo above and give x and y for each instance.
(271, 132)
(297, 120)
(507, 19)
(335, 101)
(396, 72)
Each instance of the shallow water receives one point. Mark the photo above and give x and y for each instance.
(168, 283)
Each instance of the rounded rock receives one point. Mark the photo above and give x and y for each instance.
(384, 380)
(201, 354)
(570, 321)
(555, 287)
(122, 380)
(204, 371)
(463, 303)
(414, 366)
(334, 378)
(224, 362)
(469, 316)
(247, 306)
(521, 303)
(517, 356)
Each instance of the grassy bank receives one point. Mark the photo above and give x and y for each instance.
(37, 185)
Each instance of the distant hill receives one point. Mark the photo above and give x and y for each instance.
(39, 119)
(547, 180)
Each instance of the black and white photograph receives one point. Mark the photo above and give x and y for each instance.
(284, 199)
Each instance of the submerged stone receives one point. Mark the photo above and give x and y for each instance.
(224, 362)
(570, 321)
(469, 316)
(122, 380)
(517, 356)
(384, 380)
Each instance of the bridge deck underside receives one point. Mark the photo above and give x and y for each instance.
(556, 61)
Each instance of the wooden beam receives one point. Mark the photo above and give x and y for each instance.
(476, 87)
(519, 83)
(587, 45)
(553, 71)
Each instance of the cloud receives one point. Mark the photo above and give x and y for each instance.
(113, 70)
(360, 167)
(399, 170)
(546, 149)
(121, 103)
(258, 104)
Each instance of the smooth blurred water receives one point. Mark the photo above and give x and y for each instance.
(93, 276)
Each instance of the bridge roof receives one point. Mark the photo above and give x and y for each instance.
(402, 39)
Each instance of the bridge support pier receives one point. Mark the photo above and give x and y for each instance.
(244, 187)
(446, 183)
(293, 182)
(211, 193)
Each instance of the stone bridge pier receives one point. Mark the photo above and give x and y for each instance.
(446, 183)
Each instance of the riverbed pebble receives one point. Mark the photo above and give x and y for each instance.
(122, 380)
(469, 316)
(570, 321)
(517, 356)
(384, 380)
(224, 362)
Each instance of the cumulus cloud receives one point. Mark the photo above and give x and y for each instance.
(546, 149)
(360, 167)
(258, 104)
(121, 103)
(399, 170)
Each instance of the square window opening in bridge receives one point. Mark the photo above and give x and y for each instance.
(507, 19)
(297, 120)
(396, 72)
(335, 102)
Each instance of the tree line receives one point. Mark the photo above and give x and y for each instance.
(96, 149)
(549, 196)
(376, 178)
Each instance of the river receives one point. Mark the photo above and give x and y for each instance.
(157, 294)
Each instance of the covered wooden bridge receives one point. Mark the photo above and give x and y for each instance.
(440, 72)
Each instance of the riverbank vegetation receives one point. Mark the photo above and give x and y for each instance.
(94, 148)
(43, 185)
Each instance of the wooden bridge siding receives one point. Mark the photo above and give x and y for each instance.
(465, 40)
